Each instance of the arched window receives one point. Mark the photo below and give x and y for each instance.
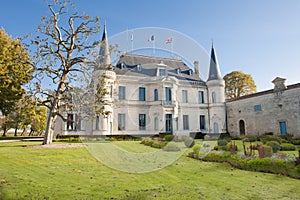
(97, 123)
(214, 97)
(155, 95)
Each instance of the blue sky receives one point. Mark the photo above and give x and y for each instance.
(258, 37)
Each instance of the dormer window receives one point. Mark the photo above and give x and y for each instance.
(162, 72)
(139, 67)
(190, 72)
(178, 71)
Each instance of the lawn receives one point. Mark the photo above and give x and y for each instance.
(73, 173)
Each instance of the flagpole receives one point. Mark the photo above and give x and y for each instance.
(172, 48)
(153, 42)
(131, 41)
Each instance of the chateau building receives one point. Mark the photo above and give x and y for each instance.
(151, 95)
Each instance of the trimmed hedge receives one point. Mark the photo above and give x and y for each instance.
(222, 142)
(275, 146)
(171, 146)
(287, 147)
(189, 142)
(269, 165)
(267, 138)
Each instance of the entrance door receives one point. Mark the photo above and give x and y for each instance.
(169, 127)
(282, 128)
(242, 127)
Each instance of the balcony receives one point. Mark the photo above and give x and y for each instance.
(168, 103)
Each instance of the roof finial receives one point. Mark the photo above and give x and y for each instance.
(212, 43)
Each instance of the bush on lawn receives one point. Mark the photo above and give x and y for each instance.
(287, 147)
(264, 151)
(275, 146)
(276, 166)
(222, 142)
(250, 138)
(189, 143)
(171, 146)
(267, 138)
(296, 141)
(169, 138)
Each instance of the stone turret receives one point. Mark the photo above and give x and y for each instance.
(103, 123)
(216, 96)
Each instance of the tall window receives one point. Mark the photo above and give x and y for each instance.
(155, 95)
(168, 94)
(214, 97)
(142, 94)
(121, 122)
(186, 122)
(156, 123)
(73, 122)
(202, 122)
(184, 96)
(201, 97)
(142, 121)
(122, 92)
(111, 91)
(97, 123)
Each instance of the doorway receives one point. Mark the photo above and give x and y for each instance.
(242, 127)
(169, 126)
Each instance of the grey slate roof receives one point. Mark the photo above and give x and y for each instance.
(149, 67)
(104, 55)
(214, 69)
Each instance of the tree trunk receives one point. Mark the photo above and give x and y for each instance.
(16, 130)
(50, 127)
(4, 131)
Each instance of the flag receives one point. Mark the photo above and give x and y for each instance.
(169, 40)
(151, 39)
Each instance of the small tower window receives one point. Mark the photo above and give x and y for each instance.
(155, 95)
(123, 66)
(214, 97)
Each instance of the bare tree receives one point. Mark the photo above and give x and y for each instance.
(63, 50)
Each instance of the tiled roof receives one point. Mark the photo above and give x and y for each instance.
(149, 67)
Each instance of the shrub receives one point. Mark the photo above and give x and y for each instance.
(171, 146)
(275, 146)
(222, 142)
(264, 151)
(287, 147)
(222, 148)
(158, 145)
(169, 138)
(236, 137)
(266, 138)
(250, 138)
(189, 143)
(225, 136)
(296, 141)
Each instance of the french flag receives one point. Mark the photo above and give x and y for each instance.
(151, 39)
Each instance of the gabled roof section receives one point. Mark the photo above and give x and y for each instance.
(214, 69)
(104, 55)
(149, 65)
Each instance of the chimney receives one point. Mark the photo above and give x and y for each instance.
(196, 67)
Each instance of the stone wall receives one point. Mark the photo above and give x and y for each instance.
(266, 112)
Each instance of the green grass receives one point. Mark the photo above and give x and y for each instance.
(75, 174)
